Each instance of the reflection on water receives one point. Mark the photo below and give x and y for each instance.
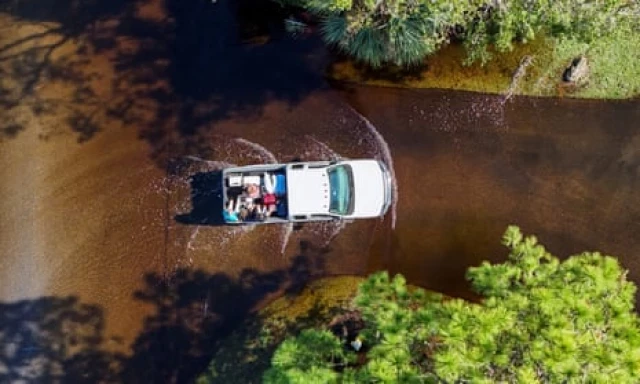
(143, 102)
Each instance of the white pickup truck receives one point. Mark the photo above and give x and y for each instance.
(306, 191)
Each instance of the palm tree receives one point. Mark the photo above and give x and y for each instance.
(395, 32)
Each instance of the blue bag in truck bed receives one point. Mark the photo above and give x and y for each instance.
(281, 185)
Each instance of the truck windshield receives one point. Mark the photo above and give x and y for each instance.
(340, 184)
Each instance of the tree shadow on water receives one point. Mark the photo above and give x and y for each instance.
(54, 339)
(305, 268)
(61, 339)
(206, 200)
(177, 67)
(194, 311)
(37, 55)
(197, 310)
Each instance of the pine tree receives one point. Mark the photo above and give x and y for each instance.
(542, 320)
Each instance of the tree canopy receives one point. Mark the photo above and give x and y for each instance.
(502, 22)
(404, 32)
(542, 320)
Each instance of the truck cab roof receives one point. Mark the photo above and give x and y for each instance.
(348, 188)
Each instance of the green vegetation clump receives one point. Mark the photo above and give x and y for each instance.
(613, 63)
(244, 355)
(542, 320)
(393, 34)
(503, 22)
(404, 32)
(396, 32)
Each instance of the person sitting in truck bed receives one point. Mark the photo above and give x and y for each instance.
(231, 211)
(269, 198)
(252, 191)
(274, 192)
(255, 213)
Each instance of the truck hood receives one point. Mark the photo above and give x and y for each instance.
(369, 188)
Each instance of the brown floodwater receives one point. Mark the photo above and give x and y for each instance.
(116, 117)
(469, 165)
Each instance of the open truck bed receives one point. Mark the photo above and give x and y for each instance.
(236, 179)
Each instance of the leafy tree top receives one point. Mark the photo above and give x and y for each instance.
(500, 23)
(404, 32)
(542, 321)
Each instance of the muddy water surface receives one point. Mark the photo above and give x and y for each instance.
(468, 165)
(116, 118)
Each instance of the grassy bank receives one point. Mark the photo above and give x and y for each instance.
(246, 354)
(613, 61)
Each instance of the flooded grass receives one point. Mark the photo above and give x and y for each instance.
(613, 63)
(246, 353)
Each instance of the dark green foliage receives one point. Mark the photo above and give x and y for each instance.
(376, 32)
(308, 358)
(542, 321)
(396, 32)
(507, 22)
(404, 32)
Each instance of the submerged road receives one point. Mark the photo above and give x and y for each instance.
(468, 165)
(109, 136)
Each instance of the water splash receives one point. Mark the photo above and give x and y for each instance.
(287, 230)
(267, 156)
(237, 150)
(322, 233)
(384, 154)
(233, 232)
(214, 165)
(228, 149)
(193, 238)
(230, 152)
(517, 76)
(154, 197)
(481, 113)
(336, 231)
(325, 150)
(316, 150)
(489, 107)
(264, 154)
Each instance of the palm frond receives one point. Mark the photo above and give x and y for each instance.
(368, 45)
(334, 29)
